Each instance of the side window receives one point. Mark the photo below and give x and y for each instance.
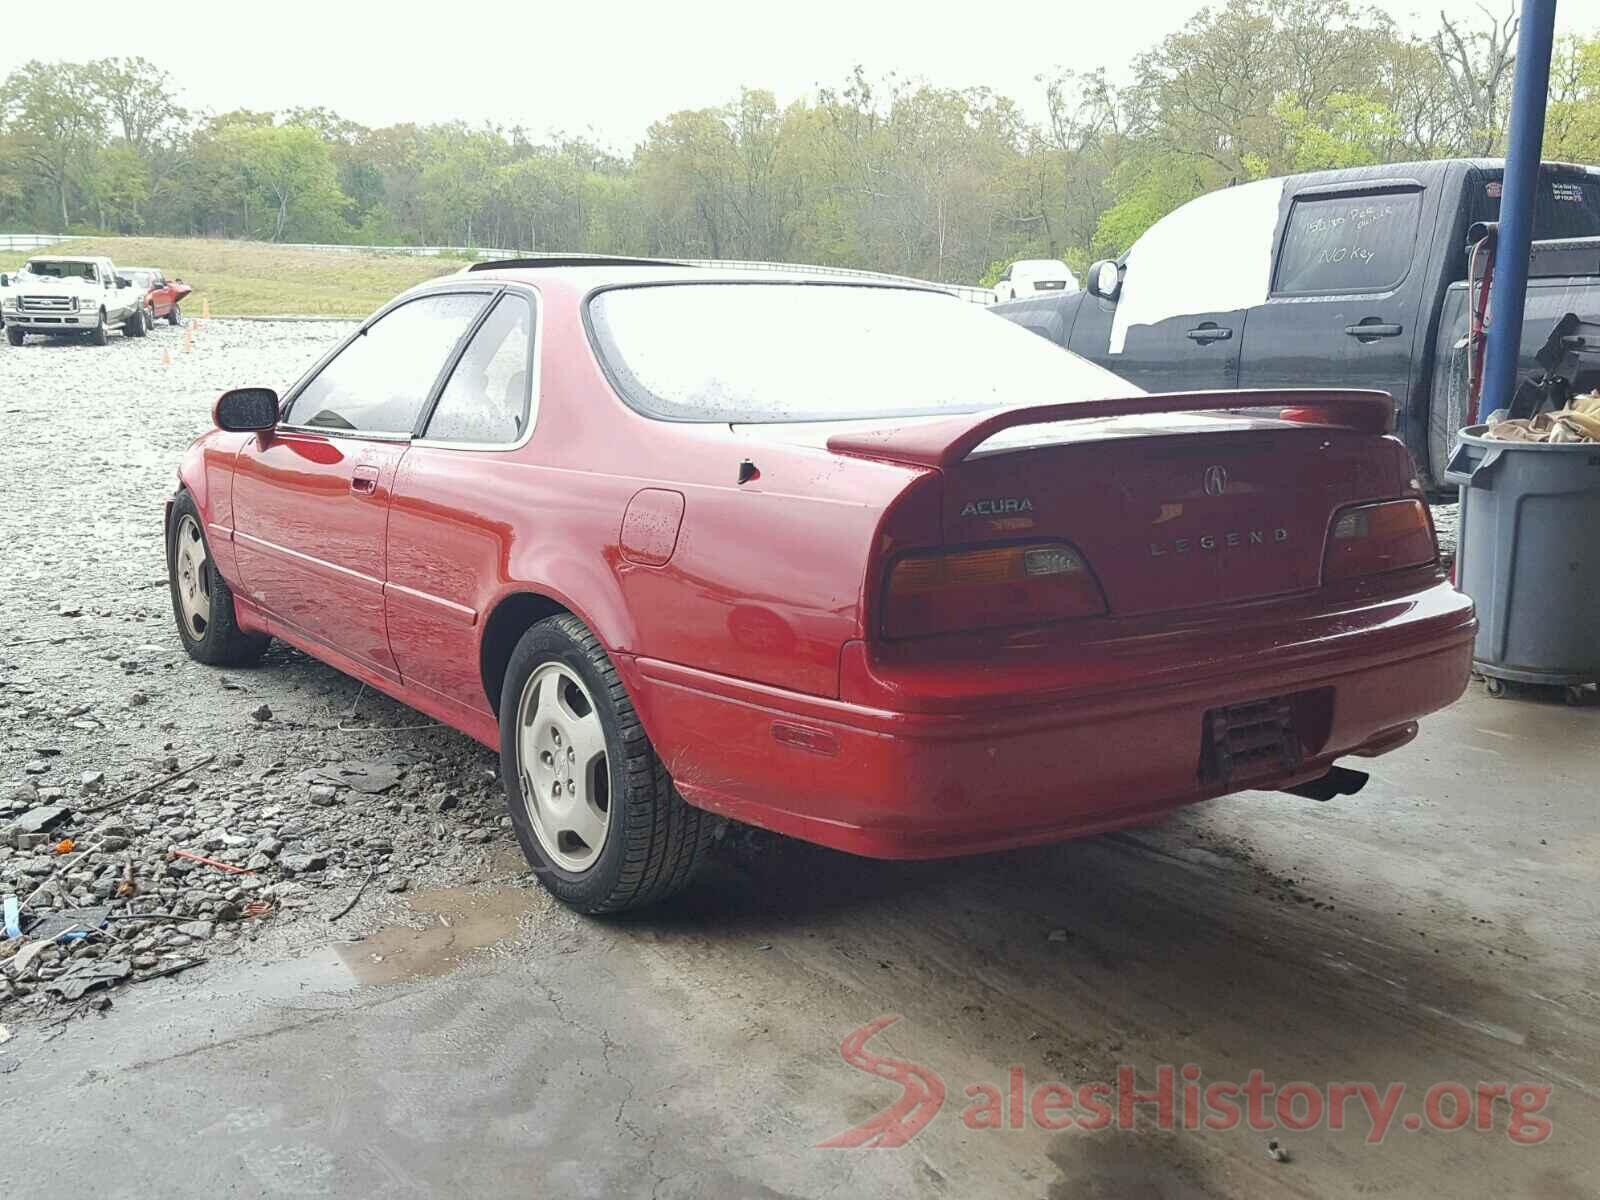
(1352, 243)
(379, 382)
(486, 400)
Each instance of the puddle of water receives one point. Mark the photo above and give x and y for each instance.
(454, 923)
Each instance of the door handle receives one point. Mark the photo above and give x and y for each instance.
(364, 481)
(1372, 329)
(1209, 333)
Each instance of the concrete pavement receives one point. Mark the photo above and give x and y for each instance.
(1440, 927)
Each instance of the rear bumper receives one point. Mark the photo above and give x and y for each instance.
(969, 774)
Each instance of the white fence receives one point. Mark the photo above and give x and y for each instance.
(29, 241)
(33, 241)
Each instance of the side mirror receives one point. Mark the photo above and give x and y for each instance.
(5, 281)
(1105, 279)
(246, 410)
(123, 282)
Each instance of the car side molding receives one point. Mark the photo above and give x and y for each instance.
(945, 443)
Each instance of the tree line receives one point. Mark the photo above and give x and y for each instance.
(886, 173)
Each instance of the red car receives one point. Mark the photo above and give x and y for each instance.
(162, 295)
(858, 563)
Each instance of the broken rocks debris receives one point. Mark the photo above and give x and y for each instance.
(216, 851)
(117, 742)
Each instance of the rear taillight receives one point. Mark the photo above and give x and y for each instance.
(1369, 539)
(948, 591)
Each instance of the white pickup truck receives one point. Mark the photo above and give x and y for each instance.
(57, 294)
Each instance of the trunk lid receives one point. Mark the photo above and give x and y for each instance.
(1174, 511)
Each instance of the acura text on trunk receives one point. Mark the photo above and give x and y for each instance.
(859, 563)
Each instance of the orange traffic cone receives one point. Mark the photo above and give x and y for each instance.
(205, 309)
(188, 338)
(166, 357)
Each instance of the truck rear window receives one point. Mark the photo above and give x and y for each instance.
(1348, 243)
(1567, 204)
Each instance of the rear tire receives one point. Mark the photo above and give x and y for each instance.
(562, 699)
(202, 603)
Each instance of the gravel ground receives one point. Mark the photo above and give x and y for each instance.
(116, 750)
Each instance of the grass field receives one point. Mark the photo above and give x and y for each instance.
(253, 279)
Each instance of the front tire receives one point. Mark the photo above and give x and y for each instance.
(202, 603)
(174, 317)
(593, 808)
(14, 335)
(97, 335)
(134, 326)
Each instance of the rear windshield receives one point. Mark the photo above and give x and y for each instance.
(763, 352)
(1566, 204)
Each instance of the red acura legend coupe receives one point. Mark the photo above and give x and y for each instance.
(854, 561)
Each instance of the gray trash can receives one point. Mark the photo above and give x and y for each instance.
(1529, 556)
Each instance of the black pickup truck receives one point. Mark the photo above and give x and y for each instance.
(1348, 278)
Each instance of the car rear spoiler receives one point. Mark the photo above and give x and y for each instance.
(945, 443)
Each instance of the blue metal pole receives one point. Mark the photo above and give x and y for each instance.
(1524, 146)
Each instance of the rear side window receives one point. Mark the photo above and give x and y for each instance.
(1350, 243)
(379, 382)
(486, 400)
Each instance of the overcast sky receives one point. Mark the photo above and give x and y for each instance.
(612, 67)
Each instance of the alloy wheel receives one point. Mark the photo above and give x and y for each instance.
(194, 578)
(564, 768)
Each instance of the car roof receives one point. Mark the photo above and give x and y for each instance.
(596, 275)
(75, 258)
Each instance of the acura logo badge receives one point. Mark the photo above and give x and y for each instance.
(1216, 479)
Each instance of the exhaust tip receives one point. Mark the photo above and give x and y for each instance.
(1339, 781)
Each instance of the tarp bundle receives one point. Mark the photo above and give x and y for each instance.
(1578, 422)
